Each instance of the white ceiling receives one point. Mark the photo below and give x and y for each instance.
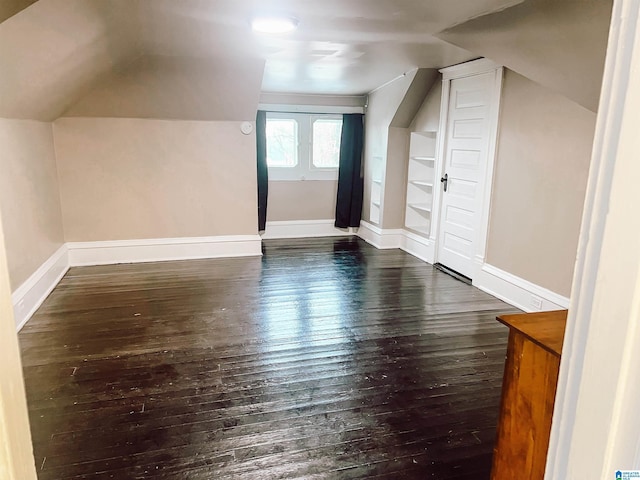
(77, 56)
(342, 47)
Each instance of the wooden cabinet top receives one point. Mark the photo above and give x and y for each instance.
(544, 328)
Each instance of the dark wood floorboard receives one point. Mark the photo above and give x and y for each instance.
(324, 359)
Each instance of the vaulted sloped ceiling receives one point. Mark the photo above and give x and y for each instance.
(559, 44)
(197, 59)
(8, 8)
(86, 57)
(53, 51)
(164, 87)
(345, 47)
(414, 96)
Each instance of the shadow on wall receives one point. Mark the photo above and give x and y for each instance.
(560, 45)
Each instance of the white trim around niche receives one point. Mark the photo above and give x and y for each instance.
(492, 151)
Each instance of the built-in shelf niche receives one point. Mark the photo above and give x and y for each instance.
(376, 191)
(420, 182)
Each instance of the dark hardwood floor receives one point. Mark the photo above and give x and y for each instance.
(324, 359)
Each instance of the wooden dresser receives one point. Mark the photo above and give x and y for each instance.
(528, 394)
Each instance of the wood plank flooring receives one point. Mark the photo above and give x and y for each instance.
(323, 359)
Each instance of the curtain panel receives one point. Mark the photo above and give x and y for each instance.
(263, 172)
(350, 177)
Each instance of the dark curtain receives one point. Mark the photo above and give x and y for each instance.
(350, 181)
(263, 173)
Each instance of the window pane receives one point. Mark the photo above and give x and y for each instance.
(282, 135)
(326, 142)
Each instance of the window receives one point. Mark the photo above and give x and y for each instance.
(326, 142)
(282, 142)
(303, 146)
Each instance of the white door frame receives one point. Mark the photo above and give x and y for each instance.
(596, 424)
(475, 67)
(16, 447)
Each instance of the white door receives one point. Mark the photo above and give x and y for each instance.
(465, 161)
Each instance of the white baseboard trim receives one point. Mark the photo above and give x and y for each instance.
(29, 296)
(304, 229)
(420, 247)
(380, 238)
(514, 290)
(162, 249)
(517, 291)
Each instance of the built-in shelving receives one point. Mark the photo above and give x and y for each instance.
(423, 207)
(375, 205)
(421, 229)
(420, 182)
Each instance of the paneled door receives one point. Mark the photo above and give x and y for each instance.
(466, 149)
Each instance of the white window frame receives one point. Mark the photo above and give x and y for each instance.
(304, 170)
(312, 119)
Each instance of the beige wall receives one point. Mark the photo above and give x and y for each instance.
(308, 200)
(133, 179)
(543, 157)
(54, 50)
(395, 184)
(559, 44)
(177, 88)
(416, 93)
(428, 117)
(29, 196)
(8, 8)
(16, 451)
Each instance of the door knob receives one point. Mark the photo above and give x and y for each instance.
(445, 180)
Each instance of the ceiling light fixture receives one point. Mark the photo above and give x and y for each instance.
(274, 25)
